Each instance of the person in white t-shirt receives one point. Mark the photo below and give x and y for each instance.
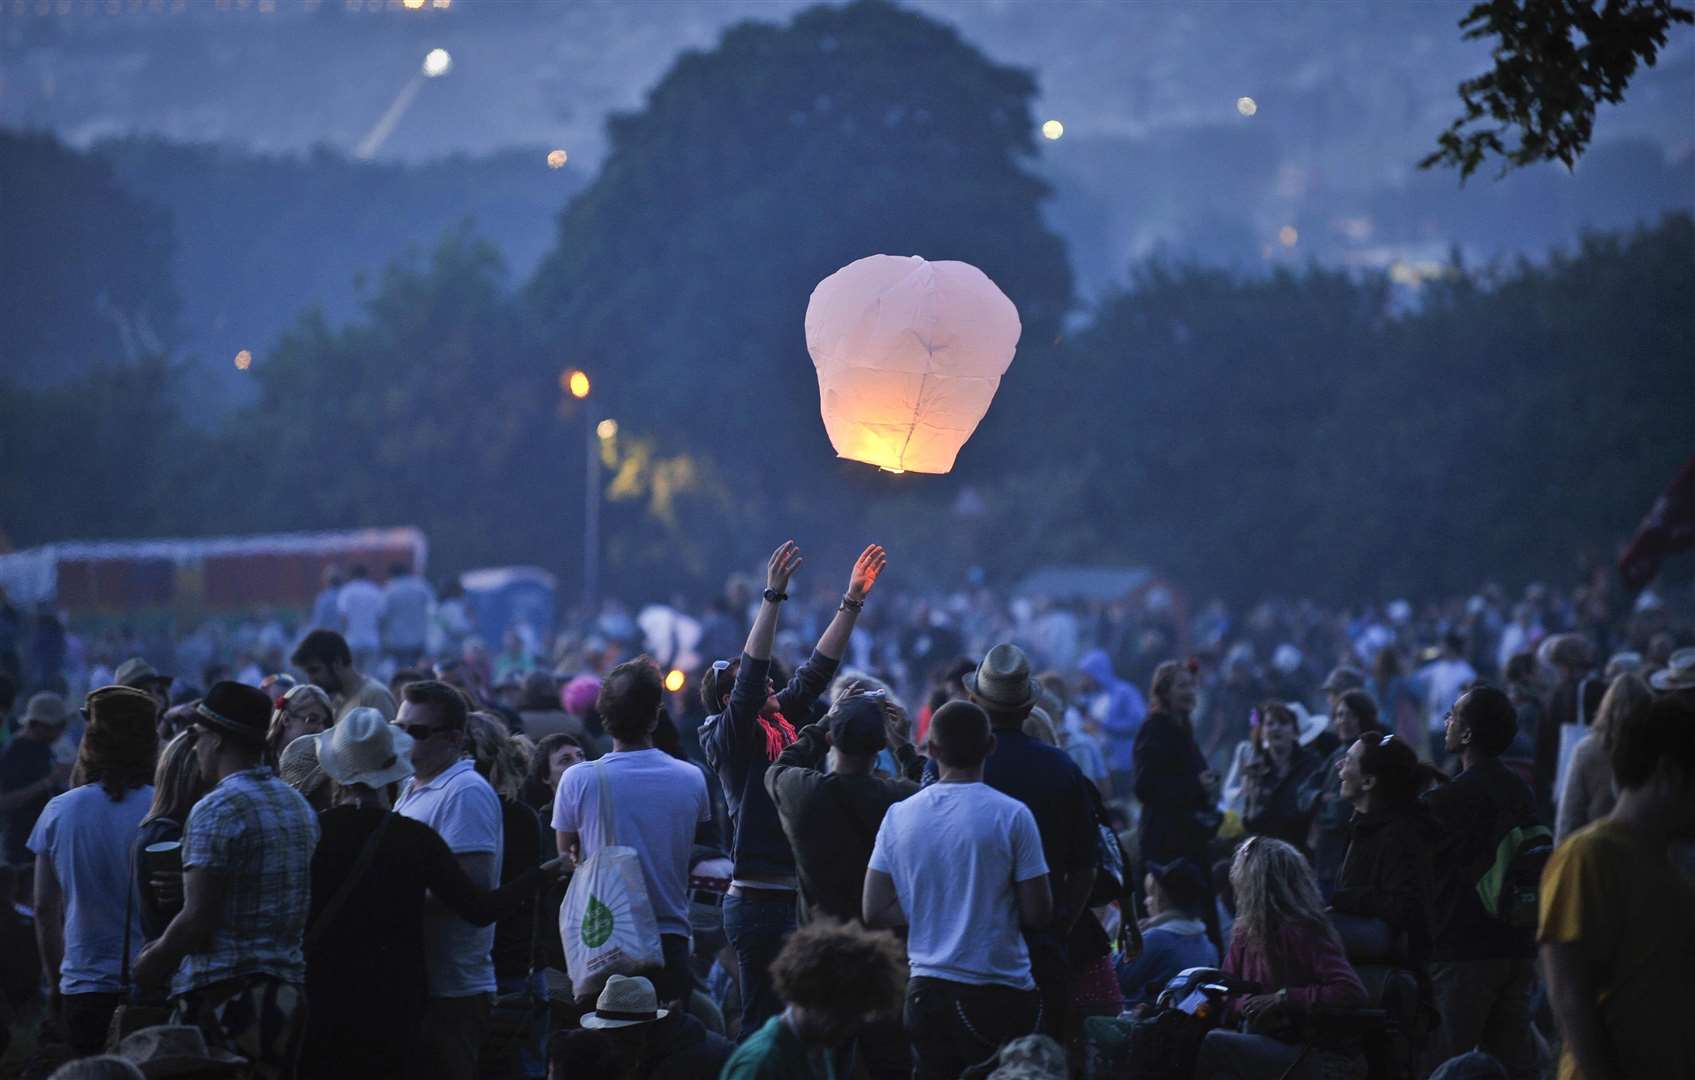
(657, 803)
(447, 794)
(84, 884)
(1444, 679)
(961, 865)
(360, 606)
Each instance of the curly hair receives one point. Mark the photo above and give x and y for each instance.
(501, 761)
(841, 968)
(1275, 889)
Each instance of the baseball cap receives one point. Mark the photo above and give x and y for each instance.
(856, 723)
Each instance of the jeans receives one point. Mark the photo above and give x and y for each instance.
(452, 1034)
(957, 1025)
(86, 1019)
(1485, 1005)
(757, 930)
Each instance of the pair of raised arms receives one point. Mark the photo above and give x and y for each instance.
(787, 559)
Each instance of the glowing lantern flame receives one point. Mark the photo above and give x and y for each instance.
(909, 354)
(674, 680)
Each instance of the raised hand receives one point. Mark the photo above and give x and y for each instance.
(784, 562)
(866, 570)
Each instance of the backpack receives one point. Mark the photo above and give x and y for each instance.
(1511, 883)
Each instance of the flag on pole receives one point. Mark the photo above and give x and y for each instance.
(1668, 529)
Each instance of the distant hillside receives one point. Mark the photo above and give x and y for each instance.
(261, 237)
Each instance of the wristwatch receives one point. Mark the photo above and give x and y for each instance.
(850, 604)
(772, 596)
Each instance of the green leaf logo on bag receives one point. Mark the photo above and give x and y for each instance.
(597, 924)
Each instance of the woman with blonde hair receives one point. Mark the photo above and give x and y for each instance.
(303, 710)
(177, 786)
(1282, 941)
(1588, 794)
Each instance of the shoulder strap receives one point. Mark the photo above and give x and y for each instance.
(367, 855)
(603, 803)
(129, 914)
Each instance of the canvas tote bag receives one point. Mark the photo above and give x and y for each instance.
(607, 922)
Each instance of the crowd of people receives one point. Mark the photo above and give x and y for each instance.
(927, 835)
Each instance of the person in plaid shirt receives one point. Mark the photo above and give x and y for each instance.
(233, 954)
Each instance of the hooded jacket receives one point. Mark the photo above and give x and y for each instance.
(735, 747)
(1125, 710)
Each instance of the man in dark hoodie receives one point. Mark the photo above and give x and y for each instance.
(1482, 968)
(748, 730)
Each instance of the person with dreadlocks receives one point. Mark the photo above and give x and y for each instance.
(749, 728)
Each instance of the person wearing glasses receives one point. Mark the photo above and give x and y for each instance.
(448, 794)
(749, 728)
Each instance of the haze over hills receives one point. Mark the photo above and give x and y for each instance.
(1156, 156)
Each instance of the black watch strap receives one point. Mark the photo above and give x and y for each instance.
(774, 597)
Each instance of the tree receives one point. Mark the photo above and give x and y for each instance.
(85, 279)
(681, 275)
(1555, 62)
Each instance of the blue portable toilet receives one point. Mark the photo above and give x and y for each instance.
(501, 598)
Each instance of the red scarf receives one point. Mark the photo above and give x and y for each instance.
(779, 733)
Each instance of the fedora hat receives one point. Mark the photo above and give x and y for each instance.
(176, 1050)
(1678, 674)
(1002, 681)
(119, 707)
(47, 709)
(624, 1002)
(232, 708)
(364, 748)
(138, 672)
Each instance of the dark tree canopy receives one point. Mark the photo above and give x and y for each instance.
(85, 281)
(682, 274)
(1555, 62)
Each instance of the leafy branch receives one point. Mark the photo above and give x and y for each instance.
(1555, 62)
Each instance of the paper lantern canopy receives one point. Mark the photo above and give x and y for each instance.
(909, 354)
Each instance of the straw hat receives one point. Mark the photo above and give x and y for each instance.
(47, 709)
(1002, 681)
(625, 1002)
(364, 748)
(1678, 674)
(298, 765)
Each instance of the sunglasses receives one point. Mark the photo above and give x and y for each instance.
(422, 732)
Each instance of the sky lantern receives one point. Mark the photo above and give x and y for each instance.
(909, 354)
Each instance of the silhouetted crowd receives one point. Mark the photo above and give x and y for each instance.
(839, 834)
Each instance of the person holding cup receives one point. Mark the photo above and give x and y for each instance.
(177, 786)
